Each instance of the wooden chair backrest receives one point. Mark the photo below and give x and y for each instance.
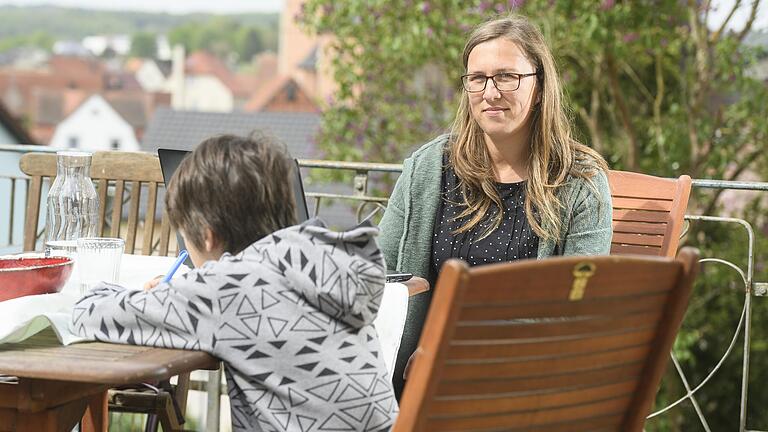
(648, 213)
(503, 347)
(128, 172)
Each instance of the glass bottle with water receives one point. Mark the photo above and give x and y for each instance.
(73, 206)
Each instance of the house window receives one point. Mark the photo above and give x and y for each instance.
(114, 144)
(72, 142)
(290, 91)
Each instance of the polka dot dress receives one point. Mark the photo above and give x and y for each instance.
(512, 240)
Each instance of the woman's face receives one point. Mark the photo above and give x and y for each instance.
(501, 114)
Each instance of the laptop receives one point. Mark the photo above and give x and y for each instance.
(170, 160)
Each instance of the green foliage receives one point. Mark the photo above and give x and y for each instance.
(37, 39)
(223, 36)
(144, 45)
(649, 84)
(247, 33)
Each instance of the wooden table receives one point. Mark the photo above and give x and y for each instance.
(56, 383)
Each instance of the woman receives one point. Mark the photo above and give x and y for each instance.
(510, 182)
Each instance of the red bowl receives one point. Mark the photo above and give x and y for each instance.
(30, 275)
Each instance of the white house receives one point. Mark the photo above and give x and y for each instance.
(95, 126)
(152, 78)
(120, 44)
(207, 93)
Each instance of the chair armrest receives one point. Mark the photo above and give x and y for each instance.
(416, 285)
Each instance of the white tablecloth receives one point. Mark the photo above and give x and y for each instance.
(25, 316)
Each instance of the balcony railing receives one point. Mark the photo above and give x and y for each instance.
(362, 203)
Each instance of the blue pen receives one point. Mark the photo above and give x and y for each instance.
(182, 256)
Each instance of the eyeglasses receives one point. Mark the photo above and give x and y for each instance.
(506, 81)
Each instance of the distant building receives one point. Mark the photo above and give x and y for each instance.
(99, 45)
(154, 75)
(24, 58)
(283, 94)
(95, 125)
(164, 51)
(70, 48)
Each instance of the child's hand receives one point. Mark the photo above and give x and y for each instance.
(152, 283)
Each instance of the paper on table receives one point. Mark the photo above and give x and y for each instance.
(25, 316)
(390, 321)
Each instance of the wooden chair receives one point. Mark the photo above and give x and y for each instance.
(127, 174)
(566, 344)
(648, 213)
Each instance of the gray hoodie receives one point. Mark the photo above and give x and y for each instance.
(290, 316)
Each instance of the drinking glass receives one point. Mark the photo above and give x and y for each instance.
(98, 259)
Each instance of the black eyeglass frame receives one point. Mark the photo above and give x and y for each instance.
(493, 78)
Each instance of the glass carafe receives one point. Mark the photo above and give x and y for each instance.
(73, 206)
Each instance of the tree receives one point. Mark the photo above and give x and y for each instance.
(144, 45)
(250, 43)
(655, 86)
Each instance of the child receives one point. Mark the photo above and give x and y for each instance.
(289, 313)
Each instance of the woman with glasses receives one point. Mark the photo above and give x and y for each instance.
(509, 182)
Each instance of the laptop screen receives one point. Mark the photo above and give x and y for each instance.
(170, 160)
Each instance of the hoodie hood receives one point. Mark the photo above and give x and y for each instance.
(345, 280)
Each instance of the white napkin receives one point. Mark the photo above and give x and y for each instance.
(390, 321)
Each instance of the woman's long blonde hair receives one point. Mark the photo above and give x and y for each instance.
(554, 153)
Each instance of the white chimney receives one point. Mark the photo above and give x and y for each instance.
(178, 78)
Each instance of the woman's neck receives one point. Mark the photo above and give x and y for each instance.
(509, 156)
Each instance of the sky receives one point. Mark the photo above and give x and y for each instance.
(723, 7)
(234, 6)
(170, 6)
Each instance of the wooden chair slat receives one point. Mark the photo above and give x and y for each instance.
(102, 187)
(33, 211)
(595, 424)
(530, 400)
(622, 249)
(149, 219)
(633, 215)
(126, 166)
(133, 217)
(638, 239)
(500, 386)
(523, 420)
(611, 306)
(642, 204)
(578, 344)
(601, 284)
(630, 227)
(566, 327)
(473, 369)
(117, 208)
(637, 185)
(165, 233)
